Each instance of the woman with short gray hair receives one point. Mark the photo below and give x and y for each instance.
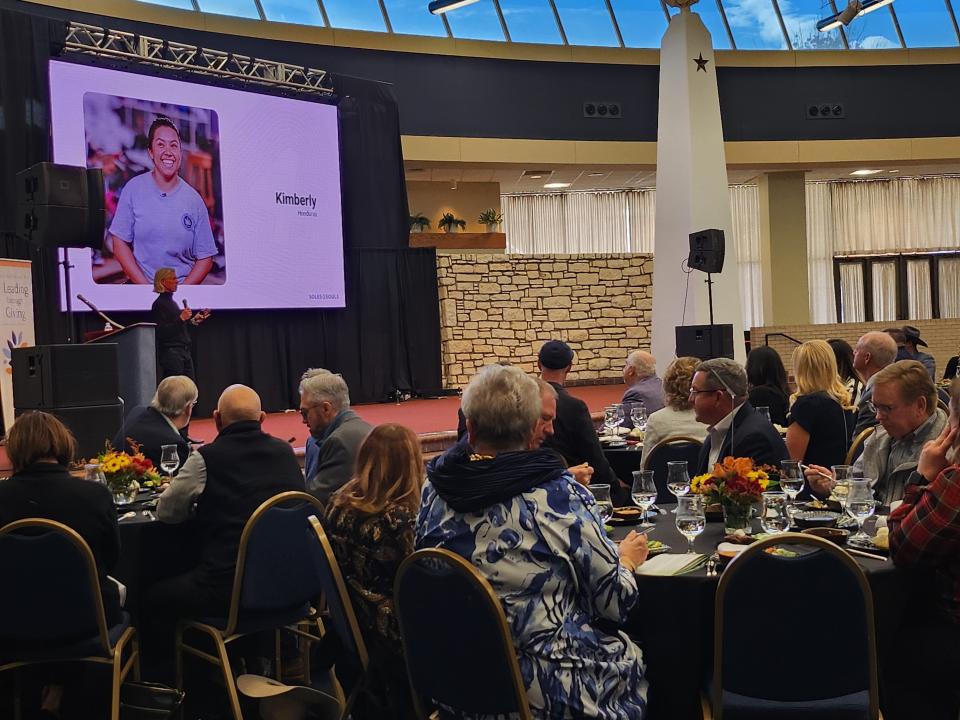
(534, 532)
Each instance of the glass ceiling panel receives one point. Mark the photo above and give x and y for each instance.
(530, 21)
(355, 14)
(925, 23)
(411, 17)
(587, 22)
(642, 23)
(754, 25)
(707, 10)
(181, 4)
(801, 16)
(237, 8)
(476, 22)
(873, 31)
(304, 12)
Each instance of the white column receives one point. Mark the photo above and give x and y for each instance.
(692, 189)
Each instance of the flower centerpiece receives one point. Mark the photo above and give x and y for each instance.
(126, 473)
(736, 484)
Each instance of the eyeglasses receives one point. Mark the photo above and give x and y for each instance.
(880, 409)
(304, 411)
(694, 391)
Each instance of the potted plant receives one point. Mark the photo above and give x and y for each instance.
(125, 474)
(449, 223)
(419, 222)
(491, 218)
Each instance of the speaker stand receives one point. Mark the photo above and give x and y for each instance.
(709, 282)
(65, 262)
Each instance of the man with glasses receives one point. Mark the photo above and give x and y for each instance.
(336, 432)
(874, 351)
(162, 421)
(904, 402)
(718, 392)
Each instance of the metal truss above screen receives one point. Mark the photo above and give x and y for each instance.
(734, 24)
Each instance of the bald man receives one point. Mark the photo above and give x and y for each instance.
(643, 385)
(221, 485)
(874, 351)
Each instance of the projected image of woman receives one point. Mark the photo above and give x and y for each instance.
(161, 221)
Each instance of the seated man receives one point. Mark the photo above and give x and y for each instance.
(574, 434)
(912, 343)
(160, 423)
(874, 351)
(643, 385)
(222, 484)
(719, 390)
(905, 403)
(336, 432)
(925, 535)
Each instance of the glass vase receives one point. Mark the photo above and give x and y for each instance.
(736, 516)
(125, 494)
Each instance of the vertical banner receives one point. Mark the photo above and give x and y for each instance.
(16, 323)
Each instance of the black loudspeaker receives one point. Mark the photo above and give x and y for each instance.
(706, 251)
(60, 205)
(91, 425)
(54, 377)
(705, 341)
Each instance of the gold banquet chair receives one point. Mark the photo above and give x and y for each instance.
(52, 597)
(856, 447)
(275, 585)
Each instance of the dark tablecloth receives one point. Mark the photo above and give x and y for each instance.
(673, 620)
(623, 461)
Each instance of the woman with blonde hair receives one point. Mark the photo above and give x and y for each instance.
(820, 421)
(676, 418)
(370, 522)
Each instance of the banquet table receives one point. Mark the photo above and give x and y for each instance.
(673, 619)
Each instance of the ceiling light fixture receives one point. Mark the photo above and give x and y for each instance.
(862, 173)
(556, 185)
(596, 174)
(438, 7)
(854, 9)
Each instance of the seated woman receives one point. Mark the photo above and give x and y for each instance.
(535, 534)
(848, 374)
(820, 420)
(370, 522)
(676, 419)
(767, 379)
(953, 366)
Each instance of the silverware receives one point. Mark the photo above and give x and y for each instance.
(712, 563)
(872, 556)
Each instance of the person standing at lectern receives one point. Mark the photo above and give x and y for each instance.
(173, 339)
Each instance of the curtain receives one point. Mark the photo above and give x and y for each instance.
(851, 293)
(884, 275)
(920, 306)
(820, 244)
(745, 214)
(950, 288)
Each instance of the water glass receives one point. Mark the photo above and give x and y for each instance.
(619, 416)
(773, 516)
(764, 411)
(678, 479)
(644, 492)
(860, 504)
(842, 474)
(791, 482)
(92, 472)
(609, 419)
(691, 518)
(638, 416)
(169, 459)
(601, 493)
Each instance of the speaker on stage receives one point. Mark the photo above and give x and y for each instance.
(60, 205)
(49, 377)
(706, 251)
(91, 425)
(705, 341)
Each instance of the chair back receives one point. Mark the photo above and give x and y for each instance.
(352, 660)
(51, 587)
(276, 568)
(943, 405)
(670, 450)
(856, 447)
(455, 638)
(819, 580)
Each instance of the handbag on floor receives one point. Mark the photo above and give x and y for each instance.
(149, 701)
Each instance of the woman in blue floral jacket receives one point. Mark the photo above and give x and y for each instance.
(534, 533)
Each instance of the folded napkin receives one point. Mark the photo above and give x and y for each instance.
(668, 564)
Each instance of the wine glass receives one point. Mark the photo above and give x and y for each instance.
(610, 419)
(791, 482)
(678, 479)
(860, 505)
(773, 518)
(764, 411)
(691, 519)
(169, 459)
(842, 474)
(638, 416)
(644, 492)
(601, 493)
(619, 416)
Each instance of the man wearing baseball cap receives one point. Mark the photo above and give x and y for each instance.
(574, 435)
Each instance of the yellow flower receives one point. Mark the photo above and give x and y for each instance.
(696, 485)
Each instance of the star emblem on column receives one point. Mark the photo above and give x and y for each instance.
(701, 63)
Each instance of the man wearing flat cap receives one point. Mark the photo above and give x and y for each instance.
(912, 341)
(574, 435)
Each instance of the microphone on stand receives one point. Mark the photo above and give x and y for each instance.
(93, 307)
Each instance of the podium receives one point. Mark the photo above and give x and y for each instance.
(136, 361)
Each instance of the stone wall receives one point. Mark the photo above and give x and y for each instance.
(504, 307)
(943, 336)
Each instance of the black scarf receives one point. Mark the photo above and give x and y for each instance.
(470, 485)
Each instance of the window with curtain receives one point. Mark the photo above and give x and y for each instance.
(919, 297)
(884, 276)
(950, 288)
(851, 293)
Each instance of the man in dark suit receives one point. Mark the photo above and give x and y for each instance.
(574, 434)
(719, 390)
(874, 351)
(160, 423)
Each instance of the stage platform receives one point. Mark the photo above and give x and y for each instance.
(421, 416)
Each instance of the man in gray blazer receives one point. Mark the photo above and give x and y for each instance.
(874, 351)
(336, 432)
